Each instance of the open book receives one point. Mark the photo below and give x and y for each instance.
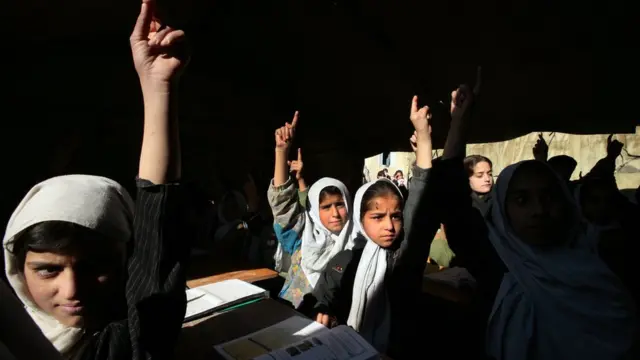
(208, 299)
(298, 338)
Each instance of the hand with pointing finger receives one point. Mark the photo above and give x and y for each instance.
(420, 118)
(541, 149)
(284, 135)
(157, 51)
(296, 166)
(463, 97)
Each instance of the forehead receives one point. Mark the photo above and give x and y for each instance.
(532, 178)
(50, 257)
(330, 199)
(384, 203)
(482, 167)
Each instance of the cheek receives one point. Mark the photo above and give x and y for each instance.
(343, 213)
(41, 291)
(370, 228)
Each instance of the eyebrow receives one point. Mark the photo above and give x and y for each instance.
(41, 264)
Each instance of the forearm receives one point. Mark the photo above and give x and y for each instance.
(160, 160)
(424, 150)
(302, 185)
(281, 171)
(455, 146)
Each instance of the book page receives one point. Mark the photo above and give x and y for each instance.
(290, 331)
(341, 343)
(220, 295)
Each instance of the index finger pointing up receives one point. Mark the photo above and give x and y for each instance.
(294, 122)
(299, 154)
(414, 104)
(141, 29)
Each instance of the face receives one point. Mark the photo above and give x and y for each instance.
(398, 176)
(77, 287)
(333, 213)
(383, 220)
(482, 179)
(536, 207)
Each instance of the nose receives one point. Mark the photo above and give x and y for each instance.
(537, 207)
(334, 212)
(387, 223)
(487, 178)
(68, 284)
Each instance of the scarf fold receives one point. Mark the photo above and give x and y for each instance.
(370, 312)
(560, 303)
(319, 245)
(94, 202)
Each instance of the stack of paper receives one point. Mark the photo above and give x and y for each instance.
(208, 299)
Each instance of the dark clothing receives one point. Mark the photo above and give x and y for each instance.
(155, 295)
(406, 261)
(468, 237)
(481, 202)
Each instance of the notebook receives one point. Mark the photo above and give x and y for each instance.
(299, 338)
(208, 299)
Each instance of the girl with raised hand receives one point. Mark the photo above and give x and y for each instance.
(307, 238)
(100, 278)
(370, 287)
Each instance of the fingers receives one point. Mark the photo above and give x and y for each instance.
(609, 139)
(299, 154)
(540, 137)
(414, 104)
(141, 28)
(476, 88)
(323, 319)
(173, 37)
(159, 36)
(294, 122)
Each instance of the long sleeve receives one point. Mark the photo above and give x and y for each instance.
(288, 215)
(155, 295)
(420, 222)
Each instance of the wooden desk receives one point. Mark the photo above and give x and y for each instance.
(198, 337)
(249, 276)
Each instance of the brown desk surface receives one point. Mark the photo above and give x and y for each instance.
(250, 276)
(198, 337)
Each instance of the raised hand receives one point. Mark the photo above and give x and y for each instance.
(463, 97)
(614, 147)
(541, 149)
(420, 117)
(157, 50)
(296, 166)
(413, 140)
(284, 135)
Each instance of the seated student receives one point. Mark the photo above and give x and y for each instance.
(101, 279)
(559, 300)
(310, 238)
(370, 286)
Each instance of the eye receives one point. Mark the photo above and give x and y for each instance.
(397, 216)
(48, 271)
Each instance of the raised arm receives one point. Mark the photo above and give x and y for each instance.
(155, 283)
(297, 167)
(462, 100)
(158, 71)
(419, 225)
(284, 138)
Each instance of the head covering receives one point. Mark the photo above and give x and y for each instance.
(370, 314)
(94, 202)
(319, 245)
(555, 303)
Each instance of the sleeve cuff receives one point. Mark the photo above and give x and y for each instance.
(144, 183)
(287, 184)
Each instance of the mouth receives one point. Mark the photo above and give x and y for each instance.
(72, 309)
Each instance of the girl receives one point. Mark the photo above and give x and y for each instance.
(368, 286)
(101, 279)
(309, 238)
(480, 171)
(558, 300)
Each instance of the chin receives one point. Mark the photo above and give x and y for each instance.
(72, 321)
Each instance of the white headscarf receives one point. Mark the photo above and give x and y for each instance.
(560, 303)
(320, 245)
(94, 202)
(370, 314)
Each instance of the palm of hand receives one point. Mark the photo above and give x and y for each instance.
(155, 50)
